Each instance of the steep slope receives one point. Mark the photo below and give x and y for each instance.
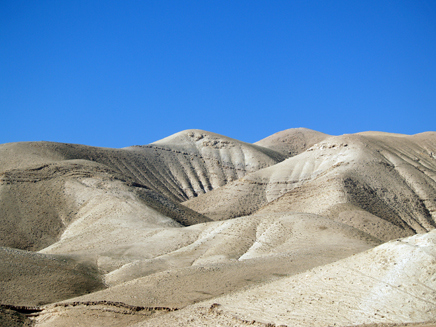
(39, 202)
(12, 318)
(201, 161)
(367, 181)
(179, 167)
(292, 141)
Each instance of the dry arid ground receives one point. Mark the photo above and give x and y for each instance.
(198, 229)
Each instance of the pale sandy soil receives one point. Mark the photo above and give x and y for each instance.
(197, 229)
(293, 141)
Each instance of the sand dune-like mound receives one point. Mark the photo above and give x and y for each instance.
(246, 238)
(371, 178)
(392, 283)
(226, 256)
(243, 155)
(292, 141)
(138, 249)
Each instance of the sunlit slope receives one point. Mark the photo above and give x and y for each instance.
(392, 283)
(179, 266)
(180, 167)
(206, 260)
(39, 203)
(368, 181)
(292, 141)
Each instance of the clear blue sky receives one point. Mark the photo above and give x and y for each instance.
(118, 73)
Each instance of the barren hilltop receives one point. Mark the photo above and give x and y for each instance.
(198, 229)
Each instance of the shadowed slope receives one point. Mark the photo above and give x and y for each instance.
(201, 161)
(29, 279)
(38, 203)
(12, 318)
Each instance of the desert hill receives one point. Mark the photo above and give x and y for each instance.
(39, 202)
(292, 141)
(367, 181)
(221, 257)
(347, 292)
(199, 229)
(179, 167)
(201, 161)
(35, 176)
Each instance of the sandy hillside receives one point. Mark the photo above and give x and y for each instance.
(198, 229)
(367, 181)
(180, 167)
(292, 141)
(397, 286)
(39, 202)
(31, 278)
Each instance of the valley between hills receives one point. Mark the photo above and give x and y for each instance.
(199, 229)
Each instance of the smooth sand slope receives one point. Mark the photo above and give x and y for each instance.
(292, 141)
(393, 282)
(290, 238)
(221, 258)
(198, 229)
